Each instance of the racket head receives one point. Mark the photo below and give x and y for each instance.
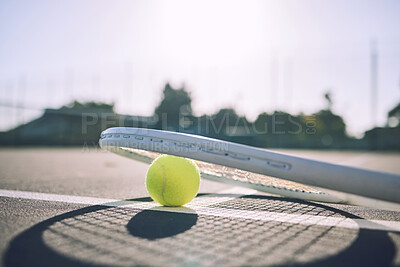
(143, 141)
(256, 168)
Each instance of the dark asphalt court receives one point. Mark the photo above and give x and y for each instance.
(74, 216)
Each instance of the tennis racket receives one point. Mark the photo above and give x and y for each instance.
(260, 169)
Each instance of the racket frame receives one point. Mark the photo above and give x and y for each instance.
(344, 184)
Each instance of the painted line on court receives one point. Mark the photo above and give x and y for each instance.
(201, 205)
(53, 197)
(230, 193)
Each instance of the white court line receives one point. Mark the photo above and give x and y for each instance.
(54, 197)
(200, 205)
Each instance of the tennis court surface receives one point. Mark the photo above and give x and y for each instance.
(88, 207)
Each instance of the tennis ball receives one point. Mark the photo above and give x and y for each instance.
(172, 181)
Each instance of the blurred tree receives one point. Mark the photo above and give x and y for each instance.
(261, 124)
(328, 98)
(76, 105)
(330, 129)
(383, 138)
(175, 104)
(78, 123)
(223, 118)
(73, 124)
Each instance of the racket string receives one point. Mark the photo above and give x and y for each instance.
(234, 174)
(103, 236)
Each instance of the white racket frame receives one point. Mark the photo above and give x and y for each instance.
(343, 184)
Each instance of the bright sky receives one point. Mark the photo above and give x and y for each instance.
(254, 56)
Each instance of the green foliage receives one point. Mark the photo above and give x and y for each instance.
(89, 105)
(78, 123)
(279, 129)
(175, 102)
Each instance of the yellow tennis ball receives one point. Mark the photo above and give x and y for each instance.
(172, 181)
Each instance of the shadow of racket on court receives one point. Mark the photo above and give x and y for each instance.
(117, 235)
(155, 224)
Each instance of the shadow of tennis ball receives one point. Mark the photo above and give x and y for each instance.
(158, 223)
